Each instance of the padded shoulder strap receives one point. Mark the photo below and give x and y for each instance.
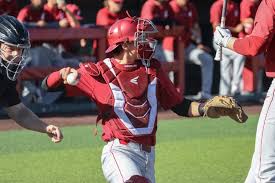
(107, 69)
(90, 68)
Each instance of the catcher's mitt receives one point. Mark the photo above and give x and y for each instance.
(224, 106)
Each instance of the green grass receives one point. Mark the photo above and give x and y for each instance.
(188, 151)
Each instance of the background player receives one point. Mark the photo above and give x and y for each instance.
(261, 39)
(14, 45)
(127, 87)
(185, 14)
(231, 68)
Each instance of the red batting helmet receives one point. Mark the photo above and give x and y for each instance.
(133, 29)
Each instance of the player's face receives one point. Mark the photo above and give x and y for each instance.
(36, 3)
(53, 2)
(10, 53)
(115, 7)
(182, 2)
(131, 49)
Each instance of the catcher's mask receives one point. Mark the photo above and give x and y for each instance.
(15, 44)
(134, 29)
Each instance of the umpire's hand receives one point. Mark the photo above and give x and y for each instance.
(54, 133)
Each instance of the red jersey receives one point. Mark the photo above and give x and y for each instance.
(8, 7)
(54, 13)
(127, 97)
(186, 16)
(153, 9)
(105, 18)
(248, 9)
(232, 13)
(30, 14)
(262, 37)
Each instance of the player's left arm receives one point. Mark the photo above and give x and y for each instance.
(170, 98)
(189, 108)
(27, 119)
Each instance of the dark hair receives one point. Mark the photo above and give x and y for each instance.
(116, 51)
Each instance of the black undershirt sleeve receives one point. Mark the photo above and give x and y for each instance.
(182, 108)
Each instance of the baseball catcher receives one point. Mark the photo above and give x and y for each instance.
(128, 86)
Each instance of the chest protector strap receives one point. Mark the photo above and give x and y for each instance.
(134, 93)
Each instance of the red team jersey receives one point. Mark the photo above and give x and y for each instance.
(152, 9)
(248, 9)
(262, 37)
(105, 17)
(8, 7)
(54, 13)
(127, 97)
(187, 17)
(29, 14)
(232, 13)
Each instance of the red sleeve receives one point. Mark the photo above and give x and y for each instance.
(22, 15)
(249, 46)
(215, 13)
(168, 96)
(245, 9)
(262, 32)
(147, 11)
(102, 18)
(54, 80)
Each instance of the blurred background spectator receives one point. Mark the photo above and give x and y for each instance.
(34, 15)
(181, 12)
(253, 69)
(8, 7)
(54, 54)
(110, 13)
(232, 63)
(159, 12)
(185, 14)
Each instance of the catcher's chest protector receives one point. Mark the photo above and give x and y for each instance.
(134, 97)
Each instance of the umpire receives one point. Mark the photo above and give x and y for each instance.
(14, 48)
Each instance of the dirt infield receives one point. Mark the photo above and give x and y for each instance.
(8, 124)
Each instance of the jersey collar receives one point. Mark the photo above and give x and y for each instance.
(126, 67)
